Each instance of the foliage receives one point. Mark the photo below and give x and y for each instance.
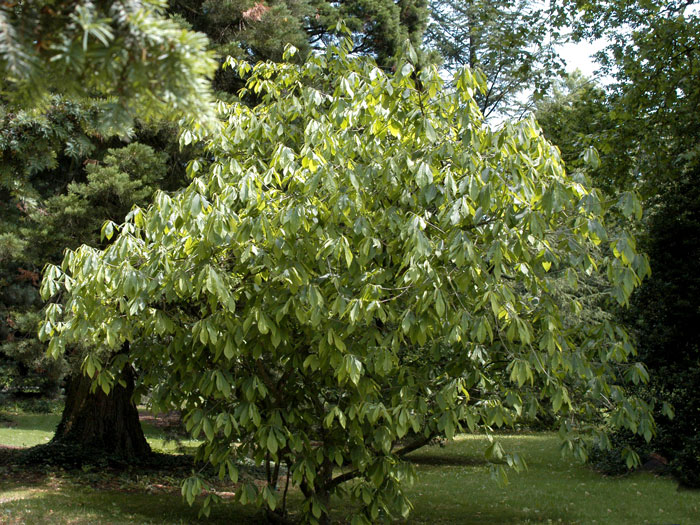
(126, 50)
(246, 28)
(665, 313)
(359, 265)
(256, 30)
(32, 144)
(652, 56)
(29, 147)
(379, 27)
(56, 195)
(605, 18)
(649, 144)
(577, 116)
(253, 30)
(512, 43)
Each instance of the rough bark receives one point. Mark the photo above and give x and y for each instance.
(103, 423)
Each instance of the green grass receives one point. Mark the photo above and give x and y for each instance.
(61, 505)
(160, 442)
(21, 429)
(27, 430)
(454, 486)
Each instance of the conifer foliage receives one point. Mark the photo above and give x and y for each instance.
(126, 49)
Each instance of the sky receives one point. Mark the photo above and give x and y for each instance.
(580, 56)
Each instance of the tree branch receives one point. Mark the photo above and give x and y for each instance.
(347, 476)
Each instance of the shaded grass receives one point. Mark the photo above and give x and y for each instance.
(61, 505)
(453, 486)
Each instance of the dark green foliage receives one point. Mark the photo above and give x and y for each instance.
(379, 26)
(666, 317)
(126, 176)
(258, 30)
(127, 50)
(32, 143)
(56, 194)
(577, 116)
(246, 28)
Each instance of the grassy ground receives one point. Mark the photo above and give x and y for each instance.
(454, 486)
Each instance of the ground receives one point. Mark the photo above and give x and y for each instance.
(453, 487)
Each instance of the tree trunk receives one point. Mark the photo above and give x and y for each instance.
(102, 423)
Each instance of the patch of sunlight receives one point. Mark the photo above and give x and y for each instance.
(28, 430)
(170, 446)
(540, 436)
(17, 494)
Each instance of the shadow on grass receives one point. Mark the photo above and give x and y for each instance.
(90, 506)
(446, 460)
(31, 422)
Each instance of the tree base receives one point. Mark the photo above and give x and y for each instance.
(104, 424)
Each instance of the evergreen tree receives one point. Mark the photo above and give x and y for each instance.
(259, 30)
(126, 50)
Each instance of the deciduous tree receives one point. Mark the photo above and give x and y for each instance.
(359, 265)
(512, 43)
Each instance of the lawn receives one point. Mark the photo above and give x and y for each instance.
(453, 486)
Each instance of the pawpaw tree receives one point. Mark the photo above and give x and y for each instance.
(358, 266)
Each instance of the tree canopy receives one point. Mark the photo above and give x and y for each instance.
(359, 265)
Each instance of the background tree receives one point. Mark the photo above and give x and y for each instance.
(258, 30)
(379, 27)
(70, 199)
(110, 61)
(126, 50)
(649, 144)
(359, 265)
(512, 43)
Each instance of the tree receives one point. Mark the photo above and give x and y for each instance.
(578, 116)
(512, 43)
(379, 27)
(126, 50)
(258, 30)
(359, 265)
(63, 204)
(651, 147)
(664, 311)
(30, 146)
(130, 60)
